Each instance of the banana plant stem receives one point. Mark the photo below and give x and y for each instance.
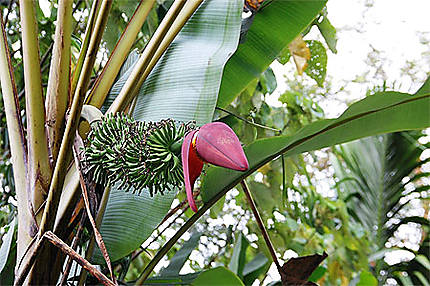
(64, 155)
(261, 225)
(106, 78)
(84, 48)
(18, 144)
(127, 91)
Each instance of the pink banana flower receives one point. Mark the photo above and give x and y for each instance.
(214, 143)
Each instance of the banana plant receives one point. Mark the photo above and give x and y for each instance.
(191, 63)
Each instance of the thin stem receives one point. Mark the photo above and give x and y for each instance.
(79, 144)
(99, 218)
(261, 225)
(46, 54)
(248, 121)
(104, 82)
(6, 17)
(177, 208)
(167, 227)
(284, 182)
(84, 47)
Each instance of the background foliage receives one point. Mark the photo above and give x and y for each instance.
(373, 184)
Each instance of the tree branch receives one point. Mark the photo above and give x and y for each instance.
(56, 241)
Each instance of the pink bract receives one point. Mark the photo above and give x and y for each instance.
(192, 167)
(218, 144)
(214, 143)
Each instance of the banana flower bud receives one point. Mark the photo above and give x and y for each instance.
(214, 143)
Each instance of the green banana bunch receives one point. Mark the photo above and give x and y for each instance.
(136, 154)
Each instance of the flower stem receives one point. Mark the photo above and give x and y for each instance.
(248, 121)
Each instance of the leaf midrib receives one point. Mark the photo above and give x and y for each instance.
(322, 131)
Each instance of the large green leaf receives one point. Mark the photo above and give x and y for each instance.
(274, 26)
(183, 86)
(217, 276)
(5, 245)
(237, 261)
(8, 255)
(178, 260)
(185, 82)
(256, 267)
(130, 219)
(380, 113)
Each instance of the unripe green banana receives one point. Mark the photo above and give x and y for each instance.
(136, 154)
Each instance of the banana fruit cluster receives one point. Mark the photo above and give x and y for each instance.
(137, 155)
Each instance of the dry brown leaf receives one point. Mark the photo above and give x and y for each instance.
(296, 271)
(301, 53)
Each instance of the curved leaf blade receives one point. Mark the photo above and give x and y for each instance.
(130, 219)
(237, 261)
(178, 260)
(274, 26)
(185, 83)
(381, 113)
(6, 245)
(217, 276)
